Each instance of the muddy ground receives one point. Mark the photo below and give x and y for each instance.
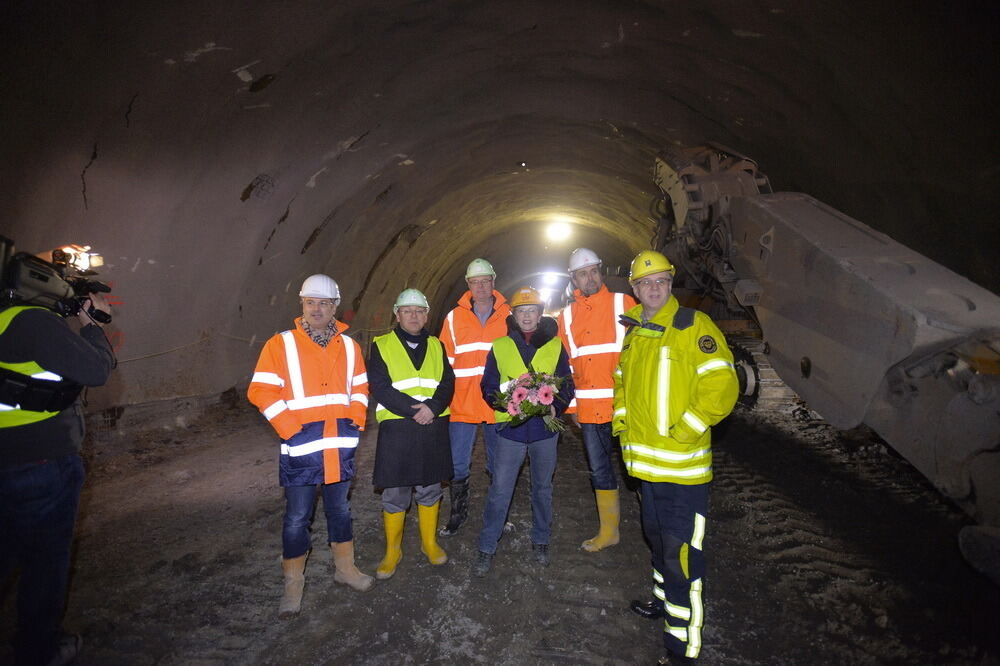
(824, 549)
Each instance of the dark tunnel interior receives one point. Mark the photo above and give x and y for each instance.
(216, 154)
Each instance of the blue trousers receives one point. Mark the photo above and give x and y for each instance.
(508, 459)
(673, 520)
(463, 436)
(600, 444)
(300, 505)
(38, 504)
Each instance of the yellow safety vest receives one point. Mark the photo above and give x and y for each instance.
(419, 384)
(511, 365)
(12, 415)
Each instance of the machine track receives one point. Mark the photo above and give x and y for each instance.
(761, 388)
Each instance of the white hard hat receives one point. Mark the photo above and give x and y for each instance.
(582, 257)
(320, 286)
(479, 268)
(410, 297)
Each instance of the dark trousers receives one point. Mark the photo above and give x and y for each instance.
(673, 520)
(38, 504)
(300, 504)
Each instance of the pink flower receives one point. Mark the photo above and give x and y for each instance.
(513, 409)
(533, 396)
(519, 394)
(545, 394)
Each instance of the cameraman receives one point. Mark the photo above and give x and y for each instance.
(41, 473)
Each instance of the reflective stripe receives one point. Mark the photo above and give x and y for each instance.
(361, 379)
(674, 610)
(662, 454)
(663, 391)
(572, 403)
(6, 408)
(318, 401)
(415, 382)
(451, 360)
(47, 376)
(697, 620)
(699, 531)
(606, 348)
(694, 422)
(679, 633)
(473, 347)
(360, 397)
(619, 311)
(662, 472)
(349, 375)
(319, 445)
(451, 327)
(267, 378)
(595, 394)
(619, 412)
(292, 361)
(470, 372)
(659, 593)
(716, 364)
(275, 409)
(657, 576)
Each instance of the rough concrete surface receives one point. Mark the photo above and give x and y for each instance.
(823, 548)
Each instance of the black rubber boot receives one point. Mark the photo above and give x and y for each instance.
(459, 507)
(650, 610)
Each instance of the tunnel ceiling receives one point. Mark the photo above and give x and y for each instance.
(217, 154)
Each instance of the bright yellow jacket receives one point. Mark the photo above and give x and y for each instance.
(675, 379)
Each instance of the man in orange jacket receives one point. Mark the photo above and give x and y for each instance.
(468, 333)
(310, 384)
(593, 336)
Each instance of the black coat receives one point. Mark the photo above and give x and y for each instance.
(407, 453)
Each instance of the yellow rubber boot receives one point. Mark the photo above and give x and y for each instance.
(295, 580)
(347, 573)
(609, 512)
(428, 517)
(393, 544)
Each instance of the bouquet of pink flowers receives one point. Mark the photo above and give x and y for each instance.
(531, 394)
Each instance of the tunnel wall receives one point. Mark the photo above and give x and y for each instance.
(216, 155)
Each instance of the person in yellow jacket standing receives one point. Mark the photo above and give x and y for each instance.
(675, 379)
(310, 384)
(410, 378)
(592, 334)
(468, 333)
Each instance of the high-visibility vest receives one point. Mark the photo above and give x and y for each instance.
(297, 382)
(419, 384)
(467, 343)
(675, 379)
(12, 415)
(510, 365)
(593, 335)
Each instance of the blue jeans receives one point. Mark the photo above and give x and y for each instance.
(507, 461)
(463, 436)
(38, 504)
(598, 441)
(300, 504)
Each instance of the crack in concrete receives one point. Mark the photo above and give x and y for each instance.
(128, 111)
(83, 176)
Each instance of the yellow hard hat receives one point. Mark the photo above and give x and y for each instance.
(526, 296)
(648, 262)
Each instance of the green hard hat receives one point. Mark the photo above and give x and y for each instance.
(410, 297)
(480, 268)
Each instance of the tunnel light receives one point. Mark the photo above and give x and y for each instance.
(546, 294)
(550, 278)
(81, 258)
(558, 231)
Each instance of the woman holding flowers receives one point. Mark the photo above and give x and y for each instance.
(529, 384)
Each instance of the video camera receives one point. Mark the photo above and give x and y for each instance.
(62, 285)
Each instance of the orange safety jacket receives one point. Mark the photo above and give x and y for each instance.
(467, 344)
(316, 399)
(592, 335)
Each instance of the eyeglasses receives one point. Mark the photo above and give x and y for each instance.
(310, 303)
(480, 283)
(659, 282)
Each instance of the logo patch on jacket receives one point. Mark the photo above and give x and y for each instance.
(707, 344)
